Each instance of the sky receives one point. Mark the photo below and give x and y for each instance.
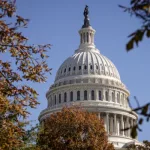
(58, 22)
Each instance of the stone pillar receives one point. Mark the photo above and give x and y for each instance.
(115, 97)
(122, 125)
(89, 94)
(103, 95)
(115, 124)
(81, 95)
(99, 115)
(96, 95)
(74, 95)
(109, 95)
(128, 131)
(68, 96)
(111, 125)
(107, 122)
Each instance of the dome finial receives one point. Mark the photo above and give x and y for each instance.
(86, 18)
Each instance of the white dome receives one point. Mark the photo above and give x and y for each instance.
(86, 62)
(92, 81)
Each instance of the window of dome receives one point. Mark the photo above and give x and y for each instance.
(78, 95)
(71, 96)
(91, 67)
(65, 70)
(55, 99)
(96, 66)
(85, 95)
(74, 68)
(100, 95)
(65, 97)
(113, 97)
(85, 67)
(79, 67)
(69, 69)
(59, 98)
(92, 95)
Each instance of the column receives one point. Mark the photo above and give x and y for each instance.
(111, 125)
(122, 125)
(115, 96)
(128, 131)
(107, 122)
(81, 95)
(115, 124)
(96, 95)
(89, 94)
(99, 115)
(74, 95)
(109, 95)
(89, 38)
(82, 37)
(103, 95)
(68, 96)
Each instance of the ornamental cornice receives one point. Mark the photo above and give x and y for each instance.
(94, 107)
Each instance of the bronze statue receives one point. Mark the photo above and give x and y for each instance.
(86, 18)
(86, 11)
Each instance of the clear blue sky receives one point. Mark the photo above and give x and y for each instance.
(57, 22)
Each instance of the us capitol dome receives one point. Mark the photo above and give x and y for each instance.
(91, 80)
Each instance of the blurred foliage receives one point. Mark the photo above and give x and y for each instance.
(73, 129)
(16, 95)
(145, 146)
(141, 10)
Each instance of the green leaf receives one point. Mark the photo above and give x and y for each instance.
(129, 45)
(148, 33)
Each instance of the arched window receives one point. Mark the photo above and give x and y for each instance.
(113, 97)
(96, 66)
(85, 67)
(91, 67)
(106, 96)
(55, 99)
(85, 95)
(79, 67)
(65, 97)
(78, 95)
(100, 95)
(59, 98)
(118, 98)
(92, 95)
(122, 99)
(71, 96)
(74, 68)
(69, 69)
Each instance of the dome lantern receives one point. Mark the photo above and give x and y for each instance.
(86, 32)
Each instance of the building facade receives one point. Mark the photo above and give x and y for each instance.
(91, 80)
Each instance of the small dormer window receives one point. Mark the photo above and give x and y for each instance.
(91, 67)
(79, 67)
(74, 68)
(97, 67)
